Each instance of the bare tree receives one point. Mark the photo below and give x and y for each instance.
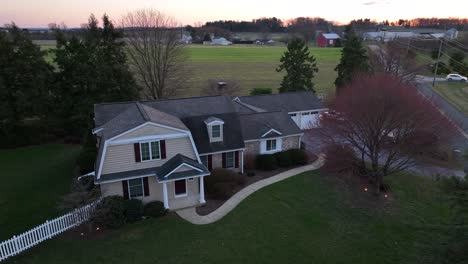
(387, 122)
(395, 60)
(221, 87)
(155, 51)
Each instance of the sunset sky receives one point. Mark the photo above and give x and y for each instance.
(35, 13)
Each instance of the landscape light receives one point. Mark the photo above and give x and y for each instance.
(365, 189)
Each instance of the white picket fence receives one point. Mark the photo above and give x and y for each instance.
(49, 229)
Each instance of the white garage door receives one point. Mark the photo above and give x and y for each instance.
(309, 120)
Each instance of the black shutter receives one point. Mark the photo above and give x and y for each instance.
(146, 186)
(125, 189)
(224, 160)
(210, 162)
(237, 159)
(136, 147)
(162, 144)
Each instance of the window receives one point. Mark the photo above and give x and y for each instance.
(306, 113)
(135, 188)
(150, 150)
(216, 131)
(204, 160)
(180, 188)
(230, 160)
(271, 144)
(292, 115)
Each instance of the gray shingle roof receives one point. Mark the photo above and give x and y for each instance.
(232, 133)
(160, 172)
(289, 102)
(257, 124)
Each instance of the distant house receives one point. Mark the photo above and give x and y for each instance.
(221, 41)
(388, 35)
(327, 39)
(185, 38)
(264, 42)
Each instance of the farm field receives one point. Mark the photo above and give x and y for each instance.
(33, 180)
(309, 218)
(249, 65)
(253, 66)
(454, 92)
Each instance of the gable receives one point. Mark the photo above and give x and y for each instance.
(148, 130)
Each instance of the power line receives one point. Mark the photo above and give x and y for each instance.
(460, 63)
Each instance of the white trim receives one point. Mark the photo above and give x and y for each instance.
(147, 138)
(193, 176)
(144, 124)
(261, 139)
(178, 167)
(278, 146)
(103, 157)
(242, 162)
(312, 110)
(166, 200)
(202, 190)
(210, 132)
(217, 122)
(272, 130)
(233, 160)
(194, 147)
(95, 131)
(223, 151)
(300, 140)
(126, 179)
(186, 189)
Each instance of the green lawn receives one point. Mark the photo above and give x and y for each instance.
(253, 66)
(454, 92)
(33, 180)
(305, 219)
(250, 65)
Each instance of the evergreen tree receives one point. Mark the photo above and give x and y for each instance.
(300, 67)
(24, 77)
(353, 59)
(92, 69)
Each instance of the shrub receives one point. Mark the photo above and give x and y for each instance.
(340, 159)
(249, 162)
(298, 156)
(133, 210)
(154, 209)
(258, 91)
(221, 183)
(283, 159)
(266, 162)
(110, 212)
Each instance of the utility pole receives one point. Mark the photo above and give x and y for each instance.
(437, 63)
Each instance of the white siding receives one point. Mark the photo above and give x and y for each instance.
(122, 157)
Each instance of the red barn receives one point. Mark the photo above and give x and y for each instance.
(327, 39)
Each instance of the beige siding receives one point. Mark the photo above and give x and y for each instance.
(122, 157)
(290, 143)
(192, 198)
(115, 188)
(148, 130)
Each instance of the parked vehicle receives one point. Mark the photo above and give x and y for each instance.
(456, 77)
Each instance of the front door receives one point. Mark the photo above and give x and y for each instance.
(180, 188)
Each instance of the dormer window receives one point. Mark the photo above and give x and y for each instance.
(216, 131)
(214, 126)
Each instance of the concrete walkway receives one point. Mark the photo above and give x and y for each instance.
(191, 215)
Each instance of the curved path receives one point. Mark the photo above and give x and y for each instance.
(191, 215)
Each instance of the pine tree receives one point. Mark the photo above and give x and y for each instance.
(300, 68)
(353, 59)
(91, 69)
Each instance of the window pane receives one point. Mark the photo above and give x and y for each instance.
(155, 150)
(145, 151)
(230, 160)
(135, 188)
(216, 131)
(273, 144)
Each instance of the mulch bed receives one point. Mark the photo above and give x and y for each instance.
(213, 204)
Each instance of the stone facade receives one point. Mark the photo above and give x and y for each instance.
(290, 143)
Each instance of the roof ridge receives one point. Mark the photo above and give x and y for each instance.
(266, 112)
(274, 94)
(249, 106)
(142, 111)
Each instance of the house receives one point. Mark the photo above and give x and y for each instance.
(220, 41)
(161, 150)
(264, 42)
(421, 33)
(327, 39)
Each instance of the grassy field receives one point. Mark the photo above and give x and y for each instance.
(454, 92)
(305, 219)
(253, 66)
(250, 65)
(33, 180)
